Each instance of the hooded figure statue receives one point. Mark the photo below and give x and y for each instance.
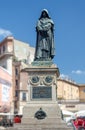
(45, 38)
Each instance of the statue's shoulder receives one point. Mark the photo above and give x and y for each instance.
(51, 21)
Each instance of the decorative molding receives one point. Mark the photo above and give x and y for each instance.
(34, 80)
(48, 80)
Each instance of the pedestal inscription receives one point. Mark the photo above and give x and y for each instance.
(42, 92)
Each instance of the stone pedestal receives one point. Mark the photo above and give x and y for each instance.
(42, 111)
(42, 89)
(42, 98)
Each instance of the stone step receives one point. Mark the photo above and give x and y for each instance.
(46, 120)
(45, 126)
(49, 125)
(41, 126)
(58, 128)
(11, 128)
(30, 129)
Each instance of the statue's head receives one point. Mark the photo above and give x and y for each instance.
(44, 14)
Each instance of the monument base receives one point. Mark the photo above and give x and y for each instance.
(42, 111)
(51, 111)
(52, 121)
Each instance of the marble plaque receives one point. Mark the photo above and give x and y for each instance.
(42, 92)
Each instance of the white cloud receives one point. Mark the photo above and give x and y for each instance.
(4, 33)
(78, 72)
(64, 76)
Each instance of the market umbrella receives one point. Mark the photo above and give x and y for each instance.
(80, 113)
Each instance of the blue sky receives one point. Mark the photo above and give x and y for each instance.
(19, 17)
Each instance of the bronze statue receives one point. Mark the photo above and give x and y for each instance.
(45, 38)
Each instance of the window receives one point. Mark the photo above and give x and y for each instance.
(23, 96)
(15, 105)
(16, 93)
(0, 51)
(16, 82)
(3, 48)
(16, 71)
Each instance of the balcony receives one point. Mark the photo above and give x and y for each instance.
(6, 53)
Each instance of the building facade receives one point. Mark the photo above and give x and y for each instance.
(12, 49)
(6, 97)
(23, 51)
(13, 55)
(68, 94)
(82, 92)
(71, 96)
(67, 90)
(6, 54)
